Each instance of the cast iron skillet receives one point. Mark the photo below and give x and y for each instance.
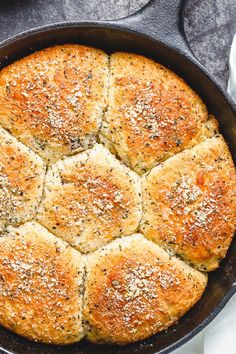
(154, 31)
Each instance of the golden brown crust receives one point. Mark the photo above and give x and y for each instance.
(21, 181)
(134, 289)
(40, 285)
(190, 203)
(90, 199)
(152, 114)
(53, 99)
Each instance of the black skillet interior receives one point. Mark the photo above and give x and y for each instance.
(155, 31)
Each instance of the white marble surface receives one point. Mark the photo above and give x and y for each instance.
(219, 336)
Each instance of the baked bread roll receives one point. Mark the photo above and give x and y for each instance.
(90, 199)
(53, 99)
(40, 285)
(21, 181)
(190, 203)
(152, 114)
(134, 289)
(63, 192)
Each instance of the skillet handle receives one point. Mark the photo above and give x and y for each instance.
(162, 20)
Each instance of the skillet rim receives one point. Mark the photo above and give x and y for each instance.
(123, 25)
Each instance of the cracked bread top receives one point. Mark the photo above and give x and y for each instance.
(134, 289)
(90, 199)
(40, 285)
(53, 100)
(190, 203)
(152, 113)
(21, 181)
